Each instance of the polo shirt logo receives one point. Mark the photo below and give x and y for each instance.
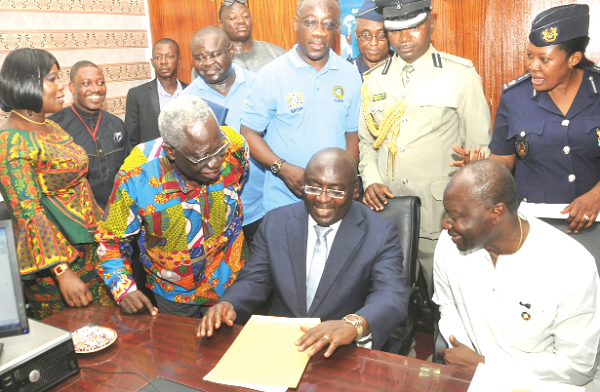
(338, 92)
(295, 102)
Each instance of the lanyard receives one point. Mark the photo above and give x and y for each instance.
(88, 128)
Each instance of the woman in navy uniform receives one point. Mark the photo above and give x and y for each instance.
(547, 125)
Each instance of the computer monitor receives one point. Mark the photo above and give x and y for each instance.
(13, 317)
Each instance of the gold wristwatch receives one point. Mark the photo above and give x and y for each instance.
(60, 269)
(356, 322)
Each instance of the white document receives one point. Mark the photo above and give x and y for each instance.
(488, 379)
(541, 210)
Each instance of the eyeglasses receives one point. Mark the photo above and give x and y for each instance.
(367, 37)
(315, 190)
(218, 153)
(227, 3)
(312, 24)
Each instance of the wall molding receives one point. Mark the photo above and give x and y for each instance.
(123, 72)
(130, 7)
(71, 40)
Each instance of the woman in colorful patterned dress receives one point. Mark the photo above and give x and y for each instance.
(43, 181)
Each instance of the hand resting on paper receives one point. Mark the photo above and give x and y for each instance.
(334, 332)
(461, 356)
(220, 312)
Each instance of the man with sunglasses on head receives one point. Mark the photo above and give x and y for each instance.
(181, 193)
(235, 18)
(328, 257)
(307, 100)
(371, 37)
(415, 107)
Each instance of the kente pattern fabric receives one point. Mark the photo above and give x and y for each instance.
(36, 166)
(191, 240)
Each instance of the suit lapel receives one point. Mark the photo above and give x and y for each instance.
(296, 234)
(346, 240)
(154, 97)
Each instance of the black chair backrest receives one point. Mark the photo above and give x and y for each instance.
(405, 211)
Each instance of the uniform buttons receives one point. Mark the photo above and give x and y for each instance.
(572, 177)
(405, 181)
(567, 149)
(525, 200)
(402, 148)
(100, 150)
(565, 123)
(404, 119)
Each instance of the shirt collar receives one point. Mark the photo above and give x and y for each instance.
(312, 224)
(298, 62)
(163, 92)
(85, 114)
(418, 61)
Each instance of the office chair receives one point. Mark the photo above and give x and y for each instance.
(405, 211)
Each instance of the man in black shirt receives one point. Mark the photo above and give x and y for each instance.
(101, 134)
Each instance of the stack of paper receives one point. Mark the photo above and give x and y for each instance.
(264, 355)
(496, 380)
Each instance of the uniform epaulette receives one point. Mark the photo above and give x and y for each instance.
(455, 59)
(595, 69)
(516, 81)
(384, 65)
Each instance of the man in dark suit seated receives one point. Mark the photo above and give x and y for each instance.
(145, 102)
(330, 257)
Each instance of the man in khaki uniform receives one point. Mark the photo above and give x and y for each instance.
(412, 117)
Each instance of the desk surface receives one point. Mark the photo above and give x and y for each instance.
(167, 346)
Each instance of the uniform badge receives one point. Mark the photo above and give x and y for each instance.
(338, 91)
(118, 136)
(295, 101)
(550, 34)
(526, 316)
(379, 97)
(522, 146)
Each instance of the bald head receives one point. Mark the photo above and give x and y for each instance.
(487, 182)
(336, 160)
(210, 32)
(301, 4)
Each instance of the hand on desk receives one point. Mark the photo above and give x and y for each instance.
(135, 302)
(334, 332)
(221, 312)
(461, 356)
(583, 211)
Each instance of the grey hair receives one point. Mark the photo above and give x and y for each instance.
(187, 111)
(301, 4)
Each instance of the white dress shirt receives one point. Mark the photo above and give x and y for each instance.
(535, 312)
(365, 341)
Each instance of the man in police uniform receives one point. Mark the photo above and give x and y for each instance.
(371, 37)
(415, 107)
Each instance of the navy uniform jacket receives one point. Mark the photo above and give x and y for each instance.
(562, 161)
(362, 275)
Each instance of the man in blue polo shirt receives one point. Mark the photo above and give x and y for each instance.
(307, 100)
(226, 83)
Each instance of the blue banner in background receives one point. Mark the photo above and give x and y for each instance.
(348, 25)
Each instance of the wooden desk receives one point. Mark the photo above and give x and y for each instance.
(167, 346)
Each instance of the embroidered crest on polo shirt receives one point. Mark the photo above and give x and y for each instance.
(338, 92)
(550, 34)
(295, 102)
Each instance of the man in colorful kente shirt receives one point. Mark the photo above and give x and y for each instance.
(181, 193)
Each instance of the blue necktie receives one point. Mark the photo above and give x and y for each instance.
(317, 264)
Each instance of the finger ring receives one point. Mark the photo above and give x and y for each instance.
(587, 218)
(326, 337)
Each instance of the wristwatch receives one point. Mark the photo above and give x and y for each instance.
(60, 269)
(276, 167)
(356, 322)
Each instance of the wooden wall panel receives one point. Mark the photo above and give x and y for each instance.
(491, 33)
